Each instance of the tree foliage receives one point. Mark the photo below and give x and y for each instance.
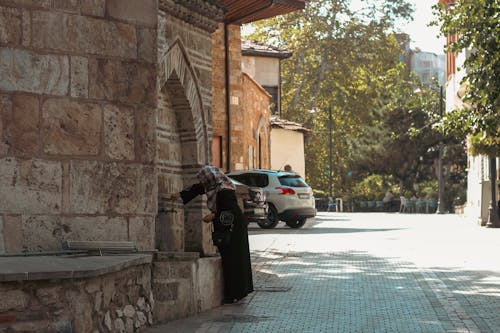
(339, 61)
(476, 23)
(400, 140)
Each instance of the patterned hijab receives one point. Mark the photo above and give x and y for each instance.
(214, 181)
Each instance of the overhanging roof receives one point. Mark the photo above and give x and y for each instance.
(246, 11)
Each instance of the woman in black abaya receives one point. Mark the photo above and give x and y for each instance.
(230, 229)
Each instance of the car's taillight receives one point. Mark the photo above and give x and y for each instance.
(285, 190)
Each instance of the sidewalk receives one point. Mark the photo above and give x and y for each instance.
(366, 273)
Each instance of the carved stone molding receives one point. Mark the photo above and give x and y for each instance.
(204, 14)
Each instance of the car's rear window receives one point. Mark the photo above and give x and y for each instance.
(292, 181)
(252, 179)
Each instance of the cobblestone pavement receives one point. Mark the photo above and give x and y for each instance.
(366, 272)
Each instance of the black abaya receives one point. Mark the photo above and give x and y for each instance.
(236, 265)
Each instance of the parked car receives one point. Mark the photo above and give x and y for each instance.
(252, 201)
(289, 197)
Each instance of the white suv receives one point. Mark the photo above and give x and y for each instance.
(289, 197)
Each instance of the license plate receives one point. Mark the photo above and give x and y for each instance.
(303, 196)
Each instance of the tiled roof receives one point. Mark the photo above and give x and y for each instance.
(255, 48)
(277, 122)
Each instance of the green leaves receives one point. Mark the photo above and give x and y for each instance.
(340, 59)
(476, 23)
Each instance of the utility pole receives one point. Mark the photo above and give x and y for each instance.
(493, 220)
(441, 206)
(330, 173)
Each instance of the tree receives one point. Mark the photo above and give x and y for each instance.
(400, 140)
(339, 59)
(477, 26)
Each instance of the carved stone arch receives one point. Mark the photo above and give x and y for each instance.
(175, 64)
(183, 135)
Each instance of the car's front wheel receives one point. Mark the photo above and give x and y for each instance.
(299, 223)
(272, 219)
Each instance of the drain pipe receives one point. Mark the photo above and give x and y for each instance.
(228, 97)
(227, 76)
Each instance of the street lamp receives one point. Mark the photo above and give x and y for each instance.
(493, 220)
(330, 142)
(441, 206)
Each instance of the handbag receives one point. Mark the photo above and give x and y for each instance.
(222, 236)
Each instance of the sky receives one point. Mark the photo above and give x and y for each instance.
(421, 35)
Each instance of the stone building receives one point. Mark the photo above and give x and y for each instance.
(105, 109)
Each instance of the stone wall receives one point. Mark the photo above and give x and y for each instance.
(116, 302)
(77, 108)
(184, 284)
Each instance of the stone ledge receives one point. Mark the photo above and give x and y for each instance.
(176, 256)
(67, 267)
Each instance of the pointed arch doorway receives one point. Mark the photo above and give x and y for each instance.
(183, 146)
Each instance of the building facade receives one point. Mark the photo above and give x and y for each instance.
(479, 179)
(106, 109)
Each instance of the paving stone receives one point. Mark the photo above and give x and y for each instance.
(366, 273)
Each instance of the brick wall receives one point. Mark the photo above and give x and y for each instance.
(77, 101)
(256, 112)
(248, 102)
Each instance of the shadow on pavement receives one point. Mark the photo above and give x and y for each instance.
(422, 300)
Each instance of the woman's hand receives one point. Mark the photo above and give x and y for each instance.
(209, 218)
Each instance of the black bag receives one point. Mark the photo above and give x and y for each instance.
(222, 236)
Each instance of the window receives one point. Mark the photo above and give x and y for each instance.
(292, 181)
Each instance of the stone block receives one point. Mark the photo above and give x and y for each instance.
(12, 234)
(22, 70)
(143, 12)
(209, 280)
(2, 242)
(70, 6)
(5, 109)
(42, 232)
(119, 130)
(83, 35)
(93, 7)
(81, 305)
(30, 186)
(16, 300)
(71, 127)
(96, 228)
(126, 82)
(11, 26)
(50, 295)
(79, 77)
(98, 188)
(141, 231)
(147, 45)
(26, 38)
(21, 125)
(28, 3)
(145, 148)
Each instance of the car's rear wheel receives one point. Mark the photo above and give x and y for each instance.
(299, 223)
(272, 219)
